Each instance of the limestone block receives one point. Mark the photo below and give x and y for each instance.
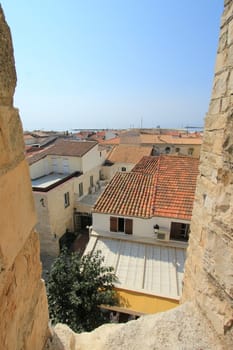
(11, 139)
(207, 158)
(181, 328)
(18, 216)
(226, 104)
(222, 40)
(221, 61)
(220, 85)
(230, 83)
(7, 64)
(213, 141)
(230, 33)
(217, 264)
(227, 14)
(215, 106)
(23, 302)
(217, 121)
(229, 61)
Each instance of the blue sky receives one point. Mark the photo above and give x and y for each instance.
(113, 63)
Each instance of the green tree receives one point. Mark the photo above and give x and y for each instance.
(76, 287)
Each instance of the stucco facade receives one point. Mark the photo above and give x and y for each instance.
(141, 227)
(59, 183)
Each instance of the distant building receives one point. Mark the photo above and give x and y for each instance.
(124, 157)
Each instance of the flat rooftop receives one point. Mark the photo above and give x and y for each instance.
(150, 268)
(48, 180)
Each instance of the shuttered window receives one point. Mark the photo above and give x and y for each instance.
(129, 226)
(113, 224)
(121, 225)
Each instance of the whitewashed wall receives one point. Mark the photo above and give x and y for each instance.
(93, 158)
(141, 227)
(39, 168)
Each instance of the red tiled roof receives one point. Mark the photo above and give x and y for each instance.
(129, 194)
(113, 141)
(170, 139)
(147, 165)
(128, 153)
(175, 187)
(157, 186)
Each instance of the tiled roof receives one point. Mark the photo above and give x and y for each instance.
(113, 141)
(63, 148)
(128, 153)
(129, 194)
(147, 165)
(33, 157)
(157, 186)
(175, 187)
(169, 139)
(71, 148)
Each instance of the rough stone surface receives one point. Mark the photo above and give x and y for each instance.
(23, 303)
(7, 64)
(163, 331)
(209, 267)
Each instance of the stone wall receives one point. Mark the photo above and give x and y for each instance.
(209, 267)
(23, 306)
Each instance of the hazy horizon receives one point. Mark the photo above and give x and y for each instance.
(113, 64)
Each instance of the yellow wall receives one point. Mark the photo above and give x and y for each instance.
(144, 303)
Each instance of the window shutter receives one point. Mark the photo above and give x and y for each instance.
(129, 226)
(113, 224)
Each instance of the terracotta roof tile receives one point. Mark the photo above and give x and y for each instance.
(113, 141)
(170, 139)
(128, 153)
(129, 194)
(157, 186)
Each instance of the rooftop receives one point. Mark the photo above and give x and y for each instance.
(149, 268)
(63, 147)
(128, 153)
(157, 186)
(171, 139)
(127, 194)
(47, 182)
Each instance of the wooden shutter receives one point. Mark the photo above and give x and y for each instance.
(129, 226)
(113, 224)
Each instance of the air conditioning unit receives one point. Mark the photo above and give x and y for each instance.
(161, 236)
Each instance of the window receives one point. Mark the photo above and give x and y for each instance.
(177, 149)
(91, 181)
(66, 168)
(167, 150)
(123, 168)
(80, 189)
(121, 225)
(66, 199)
(190, 151)
(179, 231)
